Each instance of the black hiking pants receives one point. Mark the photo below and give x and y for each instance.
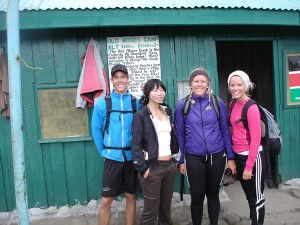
(204, 176)
(253, 188)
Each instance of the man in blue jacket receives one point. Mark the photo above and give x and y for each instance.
(113, 143)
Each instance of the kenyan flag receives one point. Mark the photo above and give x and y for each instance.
(295, 86)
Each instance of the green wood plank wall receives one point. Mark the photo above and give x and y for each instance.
(64, 164)
(7, 194)
(58, 174)
(33, 152)
(94, 167)
(167, 60)
(43, 55)
(75, 165)
(289, 119)
(48, 175)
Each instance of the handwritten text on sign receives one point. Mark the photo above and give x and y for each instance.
(140, 54)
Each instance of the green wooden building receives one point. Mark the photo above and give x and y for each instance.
(260, 37)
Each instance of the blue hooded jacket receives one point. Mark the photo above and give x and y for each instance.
(201, 133)
(119, 134)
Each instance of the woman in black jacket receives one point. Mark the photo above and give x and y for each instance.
(153, 154)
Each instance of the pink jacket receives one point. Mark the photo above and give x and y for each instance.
(243, 140)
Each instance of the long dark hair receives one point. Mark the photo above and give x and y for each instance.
(149, 86)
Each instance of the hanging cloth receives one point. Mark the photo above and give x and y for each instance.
(93, 83)
(4, 89)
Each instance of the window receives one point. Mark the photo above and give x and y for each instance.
(183, 89)
(59, 117)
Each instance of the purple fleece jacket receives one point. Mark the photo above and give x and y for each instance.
(201, 133)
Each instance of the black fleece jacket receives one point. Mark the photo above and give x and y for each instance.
(144, 139)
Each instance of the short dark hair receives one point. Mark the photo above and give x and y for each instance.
(119, 67)
(149, 86)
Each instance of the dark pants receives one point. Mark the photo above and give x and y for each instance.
(204, 176)
(254, 188)
(157, 189)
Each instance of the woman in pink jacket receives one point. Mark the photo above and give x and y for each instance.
(249, 155)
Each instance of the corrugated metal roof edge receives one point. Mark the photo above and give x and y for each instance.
(196, 7)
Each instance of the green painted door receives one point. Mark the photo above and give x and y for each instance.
(287, 115)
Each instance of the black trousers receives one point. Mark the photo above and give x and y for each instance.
(204, 176)
(157, 189)
(253, 188)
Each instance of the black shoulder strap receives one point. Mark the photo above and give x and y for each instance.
(108, 111)
(186, 106)
(133, 103)
(216, 103)
(244, 112)
(231, 105)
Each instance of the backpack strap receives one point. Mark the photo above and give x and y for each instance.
(231, 105)
(216, 103)
(133, 104)
(269, 170)
(186, 106)
(244, 112)
(117, 148)
(109, 109)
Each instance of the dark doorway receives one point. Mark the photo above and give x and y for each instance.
(256, 59)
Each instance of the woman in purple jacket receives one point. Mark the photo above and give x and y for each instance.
(205, 144)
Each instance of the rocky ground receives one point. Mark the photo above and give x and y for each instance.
(282, 208)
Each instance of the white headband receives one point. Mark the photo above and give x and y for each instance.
(242, 75)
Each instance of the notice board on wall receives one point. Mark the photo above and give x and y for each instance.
(141, 56)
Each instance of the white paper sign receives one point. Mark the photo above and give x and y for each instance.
(140, 54)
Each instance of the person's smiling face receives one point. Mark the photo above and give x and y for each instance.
(237, 88)
(199, 85)
(120, 82)
(157, 95)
